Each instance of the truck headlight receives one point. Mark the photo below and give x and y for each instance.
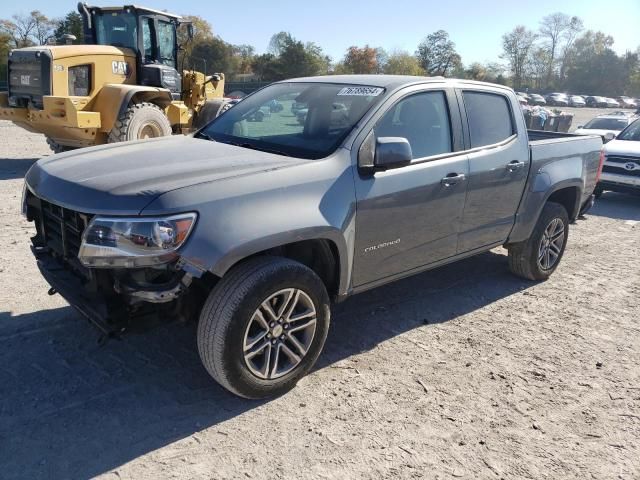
(79, 81)
(134, 242)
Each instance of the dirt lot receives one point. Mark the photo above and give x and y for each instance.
(462, 372)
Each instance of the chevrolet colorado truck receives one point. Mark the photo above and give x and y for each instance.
(255, 228)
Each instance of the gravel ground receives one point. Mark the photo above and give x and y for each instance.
(462, 372)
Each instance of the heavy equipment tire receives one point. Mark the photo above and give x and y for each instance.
(140, 121)
(209, 111)
(539, 256)
(263, 326)
(57, 148)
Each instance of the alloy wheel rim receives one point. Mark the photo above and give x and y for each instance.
(279, 334)
(551, 244)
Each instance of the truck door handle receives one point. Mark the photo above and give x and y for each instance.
(452, 179)
(515, 165)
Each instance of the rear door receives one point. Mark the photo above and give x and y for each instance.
(409, 217)
(498, 167)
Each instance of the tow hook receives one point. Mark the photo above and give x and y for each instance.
(52, 291)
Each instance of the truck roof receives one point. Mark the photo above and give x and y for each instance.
(388, 81)
(132, 7)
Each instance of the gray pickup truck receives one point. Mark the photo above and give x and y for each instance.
(256, 228)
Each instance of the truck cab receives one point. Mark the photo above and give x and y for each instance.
(150, 34)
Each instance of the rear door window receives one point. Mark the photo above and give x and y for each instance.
(489, 117)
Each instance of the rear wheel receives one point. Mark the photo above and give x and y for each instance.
(539, 256)
(263, 326)
(140, 121)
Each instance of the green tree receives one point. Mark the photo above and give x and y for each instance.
(27, 30)
(403, 63)
(557, 31)
(516, 46)
(595, 67)
(437, 54)
(71, 24)
(279, 42)
(294, 59)
(202, 32)
(213, 55)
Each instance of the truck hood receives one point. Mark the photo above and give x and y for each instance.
(123, 178)
(622, 147)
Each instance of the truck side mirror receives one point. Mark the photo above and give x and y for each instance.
(190, 31)
(609, 136)
(392, 152)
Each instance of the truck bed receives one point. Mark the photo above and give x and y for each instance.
(577, 156)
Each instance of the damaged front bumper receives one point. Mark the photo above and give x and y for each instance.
(113, 301)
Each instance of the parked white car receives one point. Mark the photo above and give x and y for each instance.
(607, 126)
(621, 170)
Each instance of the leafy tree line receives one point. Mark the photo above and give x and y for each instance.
(559, 55)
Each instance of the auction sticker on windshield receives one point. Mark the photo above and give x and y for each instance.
(361, 91)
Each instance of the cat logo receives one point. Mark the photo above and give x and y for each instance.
(120, 68)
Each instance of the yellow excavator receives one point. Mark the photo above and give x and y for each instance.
(124, 84)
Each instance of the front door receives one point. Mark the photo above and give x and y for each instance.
(409, 217)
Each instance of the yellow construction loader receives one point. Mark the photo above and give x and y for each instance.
(124, 84)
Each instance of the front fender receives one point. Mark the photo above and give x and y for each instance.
(246, 214)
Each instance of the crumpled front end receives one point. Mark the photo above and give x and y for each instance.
(114, 299)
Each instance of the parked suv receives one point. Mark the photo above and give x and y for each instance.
(621, 172)
(255, 228)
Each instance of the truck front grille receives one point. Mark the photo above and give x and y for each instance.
(29, 77)
(622, 165)
(59, 229)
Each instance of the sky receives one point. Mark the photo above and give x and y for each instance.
(476, 26)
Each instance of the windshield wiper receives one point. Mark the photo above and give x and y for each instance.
(260, 149)
(205, 136)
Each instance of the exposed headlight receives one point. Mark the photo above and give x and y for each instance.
(80, 80)
(134, 242)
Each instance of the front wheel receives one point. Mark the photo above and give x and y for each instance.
(140, 121)
(263, 326)
(539, 256)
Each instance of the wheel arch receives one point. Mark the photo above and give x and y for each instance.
(114, 99)
(324, 253)
(567, 193)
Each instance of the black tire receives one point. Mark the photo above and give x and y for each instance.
(56, 147)
(524, 256)
(228, 312)
(139, 121)
(598, 192)
(209, 111)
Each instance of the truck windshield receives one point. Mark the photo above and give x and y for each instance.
(117, 28)
(632, 132)
(306, 120)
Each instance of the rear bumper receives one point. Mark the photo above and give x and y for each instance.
(61, 118)
(586, 206)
